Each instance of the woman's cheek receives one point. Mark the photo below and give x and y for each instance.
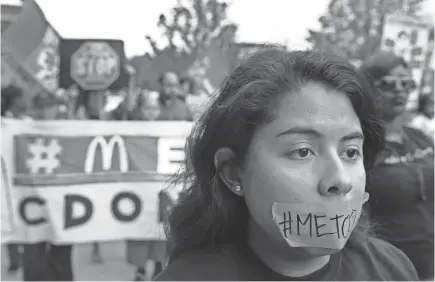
(357, 175)
(272, 181)
(359, 182)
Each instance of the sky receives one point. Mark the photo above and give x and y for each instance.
(259, 21)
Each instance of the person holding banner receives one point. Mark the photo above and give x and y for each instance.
(140, 252)
(402, 181)
(14, 105)
(44, 261)
(277, 170)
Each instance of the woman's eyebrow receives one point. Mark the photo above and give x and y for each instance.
(353, 136)
(310, 131)
(301, 131)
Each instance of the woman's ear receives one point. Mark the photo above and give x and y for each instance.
(228, 170)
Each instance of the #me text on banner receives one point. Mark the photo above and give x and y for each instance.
(81, 181)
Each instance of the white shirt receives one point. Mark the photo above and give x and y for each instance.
(424, 124)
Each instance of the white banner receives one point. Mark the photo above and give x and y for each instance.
(82, 181)
(7, 221)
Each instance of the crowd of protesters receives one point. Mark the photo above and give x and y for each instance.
(176, 100)
(405, 220)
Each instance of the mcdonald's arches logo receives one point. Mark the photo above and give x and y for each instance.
(107, 148)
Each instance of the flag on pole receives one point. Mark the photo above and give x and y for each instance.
(30, 53)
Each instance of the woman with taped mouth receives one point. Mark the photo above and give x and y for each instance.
(277, 166)
(401, 183)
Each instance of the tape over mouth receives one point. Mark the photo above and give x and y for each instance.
(342, 199)
(365, 198)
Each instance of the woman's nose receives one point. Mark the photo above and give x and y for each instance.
(399, 86)
(335, 179)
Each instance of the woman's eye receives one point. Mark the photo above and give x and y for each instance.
(301, 154)
(352, 154)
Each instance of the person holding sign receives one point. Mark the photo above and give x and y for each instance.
(276, 168)
(401, 184)
(172, 99)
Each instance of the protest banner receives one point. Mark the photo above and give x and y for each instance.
(408, 37)
(82, 181)
(6, 206)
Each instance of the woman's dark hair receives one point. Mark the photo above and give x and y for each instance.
(209, 214)
(381, 64)
(9, 94)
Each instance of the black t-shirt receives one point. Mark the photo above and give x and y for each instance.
(371, 260)
(401, 187)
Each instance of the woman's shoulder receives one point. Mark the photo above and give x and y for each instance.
(379, 259)
(205, 264)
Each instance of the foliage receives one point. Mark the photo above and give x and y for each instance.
(195, 26)
(353, 28)
(198, 35)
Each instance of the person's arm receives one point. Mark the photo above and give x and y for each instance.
(72, 96)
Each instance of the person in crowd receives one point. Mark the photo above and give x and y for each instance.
(89, 105)
(288, 131)
(45, 261)
(14, 105)
(45, 107)
(139, 252)
(401, 184)
(92, 103)
(147, 107)
(424, 118)
(172, 101)
(195, 100)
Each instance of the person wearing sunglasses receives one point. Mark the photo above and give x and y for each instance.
(401, 183)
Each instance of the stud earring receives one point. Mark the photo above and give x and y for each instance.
(238, 188)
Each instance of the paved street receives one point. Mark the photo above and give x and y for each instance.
(114, 267)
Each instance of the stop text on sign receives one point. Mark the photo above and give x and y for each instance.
(95, 66)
